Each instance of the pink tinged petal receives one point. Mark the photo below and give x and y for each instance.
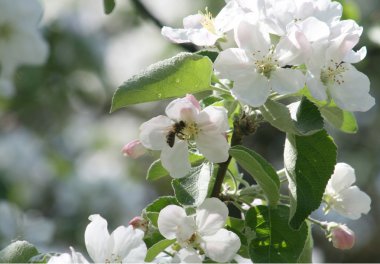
(355, 56)
(174, 223)
(211, 216)
(213, 119)
(181, 109)
(214, 146)
(316, 87)
(352, 203)
(353, 93)
(134, 149)
(177, 35)
(342, 237)
(252, 38)
(251, 89)
(233, 63)
(194, 101)
(287, 81)
(153, 132)
(176, 159)
(221, 246)
(97, 238)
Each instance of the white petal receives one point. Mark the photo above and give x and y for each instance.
(251, 89)
(355, 57)
(353, 93)
(287, 81)
(126, 239)
(251, 37)
(228, 16)
(176, 159)
(316, 87)
(214, 146)
(77, 257)
(136, 255)
(177, 35)
(353, 202)
(203, 37)
(222, 246)
(213, 119)
(181, 109)
(96, 238)
(174, 223)
(315, 29)
(188, 255)
(342, 178)
(193, 22)
(154, 131)
(233, 63)
(211, 216)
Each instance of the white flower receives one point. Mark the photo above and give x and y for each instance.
(124, 245)
(255, 67)
(66, 258)
(202, 29)
(187, 255)
(185, 124)
(20, 40)
(204, 229)
(347, 200)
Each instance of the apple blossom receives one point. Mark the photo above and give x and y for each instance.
(134, 149)
(139, 222)
(347, 200)
(202, 230)
(124, 245)
(202, 29)
(184, 125)
(255, 67)
(66, 258)
(341, 236)
(20, 39)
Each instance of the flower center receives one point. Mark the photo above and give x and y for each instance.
(266, 65)
(333, 74)
(183, 130)
(207, 21)
(5, 31)
(114, 259)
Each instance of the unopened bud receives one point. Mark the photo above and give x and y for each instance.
(139, 222)
(341, 236)
(134, 149)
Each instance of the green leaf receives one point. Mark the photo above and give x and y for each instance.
(307, 252)
(260, 170)
(211, 54)
(301, 118)
(157, 171)
(109, 6)
(193, 189)
(18, 252)
(152, 210)
(340, 119)
(309, 162)
(157, 249)
(235, 223)
(275, 241)
(174, 77)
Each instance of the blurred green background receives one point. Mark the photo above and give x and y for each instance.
(60, 149)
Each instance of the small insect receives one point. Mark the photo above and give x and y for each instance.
(176, 130)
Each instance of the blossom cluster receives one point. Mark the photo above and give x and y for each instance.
(281, 46)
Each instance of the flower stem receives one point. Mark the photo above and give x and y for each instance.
(323, 225)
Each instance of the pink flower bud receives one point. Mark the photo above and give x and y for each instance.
(341, 236)
(193, 100)
(134, 149)
(139, 222)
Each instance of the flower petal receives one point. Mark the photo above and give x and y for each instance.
(222, 246)
(154, 131)
(177, 35)
(251, 89)
(213, 119)
(316, 87)
(287, 81)
(342, 178)
(211, 216)
(176, 159)
(251, 37)
(214, 146)
(181, 109)
(187, 255)
(352, 94)
(355, 56)
(96, 238)
(352, 203)
(233, 63)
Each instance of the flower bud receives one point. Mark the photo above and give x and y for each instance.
(134, 149)
(139, 222)
(341, 236)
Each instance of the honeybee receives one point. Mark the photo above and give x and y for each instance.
(176, 130)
